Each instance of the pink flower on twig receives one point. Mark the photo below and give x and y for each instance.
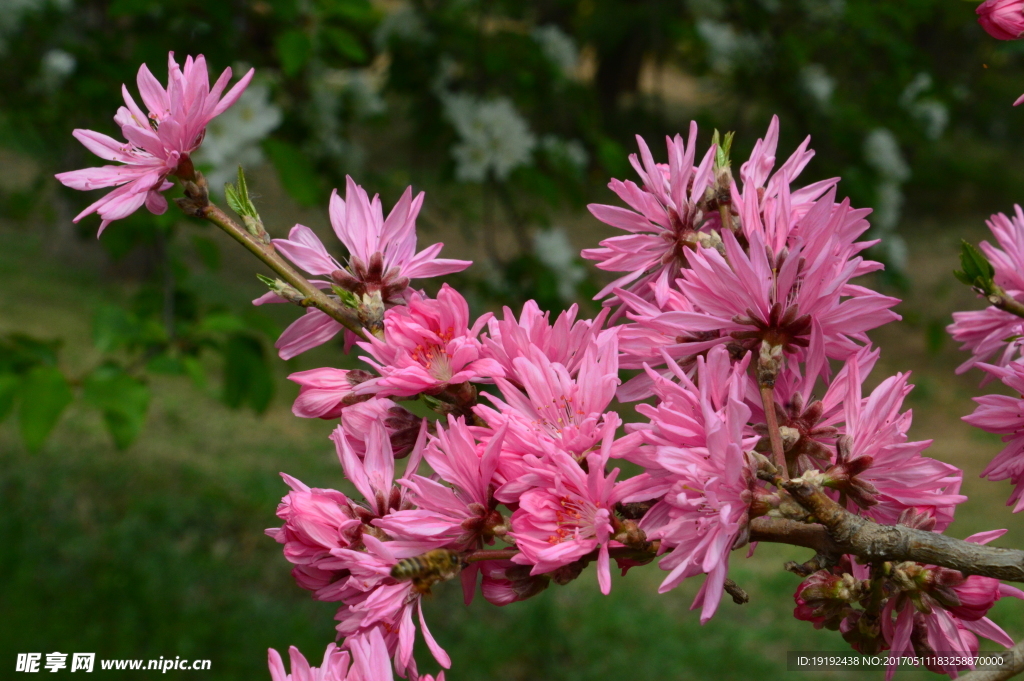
(158, 141)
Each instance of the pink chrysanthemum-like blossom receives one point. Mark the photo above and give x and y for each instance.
(706, 511)
(382, 260)
(993, 332)
(320, 520)
(1002, 19)
(428, 346)
(663, 218)
(371, 598)
(315, 521)
(556, 407)
(573, 514)
(752, 296)
(158, 141)
(565, 341)
(895, 469)
(1004, 415)
(461, 517)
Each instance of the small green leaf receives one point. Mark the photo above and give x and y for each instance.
(293, 50)
(113, 327)
(348, 298)
(346, 44)
(975, 269)
(296, 172)
(123, 400)
(43, 396)
(194, 368)
(231, 195)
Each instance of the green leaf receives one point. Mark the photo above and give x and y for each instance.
(123, 400)
(194, 368)
(20, 352)
(295, 171)
(346, 44)
(975, 269)
(293, 49)
(238, 197)
(8, 389)
(247, 377)
(113, 327)
(43, 396)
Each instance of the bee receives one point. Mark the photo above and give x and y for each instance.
(428, 569)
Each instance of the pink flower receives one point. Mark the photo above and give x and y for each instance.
(749, 296)
(403, 427)
(1002, 19)
(382, 253)
(901, 477)
(556, 408)
(315, 521)
(335, 666)
(372, 598)
(573, 516)
(1004, 415)
(382, 261)
(462, 517)
(373, 474)
(325, 392)
(157, 143)
(663, 221)
(990, 331)
(428, 346)
(564, 342)
(701, 454)
(671, 213)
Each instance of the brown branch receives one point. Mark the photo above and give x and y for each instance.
(1005, 302)
(197, 204)
(774, 435)
(1016, 667)
(842, 532)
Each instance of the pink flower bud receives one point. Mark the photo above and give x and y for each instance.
(1002, 19)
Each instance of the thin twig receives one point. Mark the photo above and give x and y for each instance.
(774, 436)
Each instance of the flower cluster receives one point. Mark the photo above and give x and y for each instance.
(736, 307)
(735, 299)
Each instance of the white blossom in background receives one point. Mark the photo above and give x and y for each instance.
(818, 84)
(882, 152)
(931, 113)
(559, 47)
(233, 138)
(404, 23)
(56, 66)
(493, 137)
(553, 248)
(725, 45)
(571, 151)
